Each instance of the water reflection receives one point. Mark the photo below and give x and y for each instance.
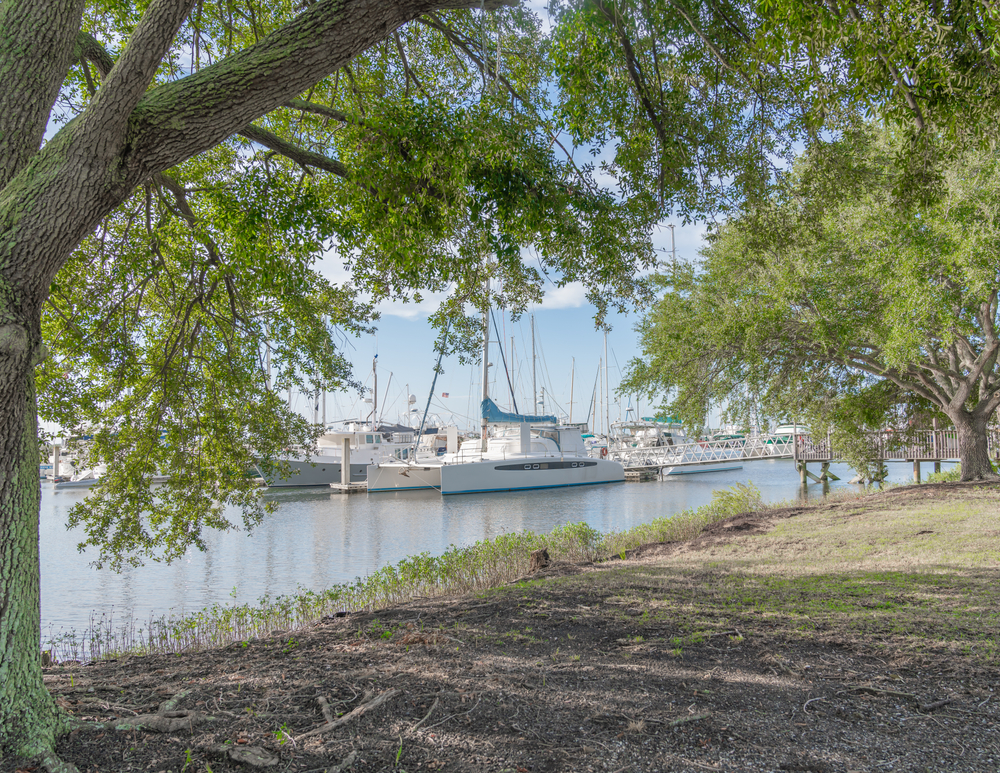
(317, 538)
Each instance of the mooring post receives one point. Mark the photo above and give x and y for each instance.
(916, 471)
(937, 466)
(345, 462)
(803, 473)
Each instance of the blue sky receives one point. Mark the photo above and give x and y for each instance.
(564, 331)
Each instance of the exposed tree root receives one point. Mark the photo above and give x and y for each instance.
(357, 712)
(168, 719)
(53, 764)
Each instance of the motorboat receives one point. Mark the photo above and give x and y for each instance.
(645, 433)
(367, 446)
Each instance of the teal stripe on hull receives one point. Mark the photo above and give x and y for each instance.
(533, 488)
(398, 488)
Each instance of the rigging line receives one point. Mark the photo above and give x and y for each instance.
(545, 366)
(437, 370)
(385, 401)
(593, 397)
(468, 399)
(503, 359)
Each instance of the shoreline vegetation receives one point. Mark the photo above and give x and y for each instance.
(474, 568)
(482, 566)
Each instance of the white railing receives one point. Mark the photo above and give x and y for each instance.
(919, 445)
(705, 452)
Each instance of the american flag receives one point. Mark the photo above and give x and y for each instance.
(444, 394)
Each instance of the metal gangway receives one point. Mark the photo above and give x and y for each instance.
(705, 452)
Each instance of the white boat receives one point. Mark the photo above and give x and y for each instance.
(525, 452)
(645, 433)
(530, 457)
(783, 436)
(368, 446)
(521, 455)
(83, 479)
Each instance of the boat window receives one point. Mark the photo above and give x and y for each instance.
(528, 466)
(369, 439)
(534, 466)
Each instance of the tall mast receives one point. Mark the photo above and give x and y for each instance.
(486, 357)
(598, 418)
(374, 391)
(572, 374)
(513, 377)
(607, 394)
(534, 389)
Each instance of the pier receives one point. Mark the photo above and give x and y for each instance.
(930, 446)
(639, 461)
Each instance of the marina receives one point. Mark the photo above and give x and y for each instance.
(318, 538)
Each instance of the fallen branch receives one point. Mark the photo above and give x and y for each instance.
(427, 715)
(453, 716)
(811, 700)
(358, 712)
(876, 691)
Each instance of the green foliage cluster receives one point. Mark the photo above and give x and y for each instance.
(178, 327)
(459, 570)
(831, 303)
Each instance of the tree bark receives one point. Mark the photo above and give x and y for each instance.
(29, 719)
(973, 445)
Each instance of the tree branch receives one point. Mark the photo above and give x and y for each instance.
(126, 83)
(295, 153)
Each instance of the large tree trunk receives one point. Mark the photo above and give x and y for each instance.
(29, 719)
(973, 447)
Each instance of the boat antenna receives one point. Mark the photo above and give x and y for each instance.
(437, 369)
(503, 359)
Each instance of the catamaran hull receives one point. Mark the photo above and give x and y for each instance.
(319, 472)
(694, 469)
(403, 477)
(510, 475)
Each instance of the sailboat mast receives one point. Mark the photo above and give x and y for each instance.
(572, 374)
(374, 391)
(534, 389)
(593, 398)
(513, 376)
(486, 364)
(607, 394)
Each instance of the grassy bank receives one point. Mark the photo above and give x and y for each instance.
(486, 564)
(909, 571)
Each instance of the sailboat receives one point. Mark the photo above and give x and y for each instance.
(524, 452)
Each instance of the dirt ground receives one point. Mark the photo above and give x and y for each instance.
(627, 666)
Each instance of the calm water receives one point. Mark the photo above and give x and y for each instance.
(317, 538)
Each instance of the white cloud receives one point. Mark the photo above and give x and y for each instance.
(571, 296)
(428, 305)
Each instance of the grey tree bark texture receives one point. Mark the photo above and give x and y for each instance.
(54, 195)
